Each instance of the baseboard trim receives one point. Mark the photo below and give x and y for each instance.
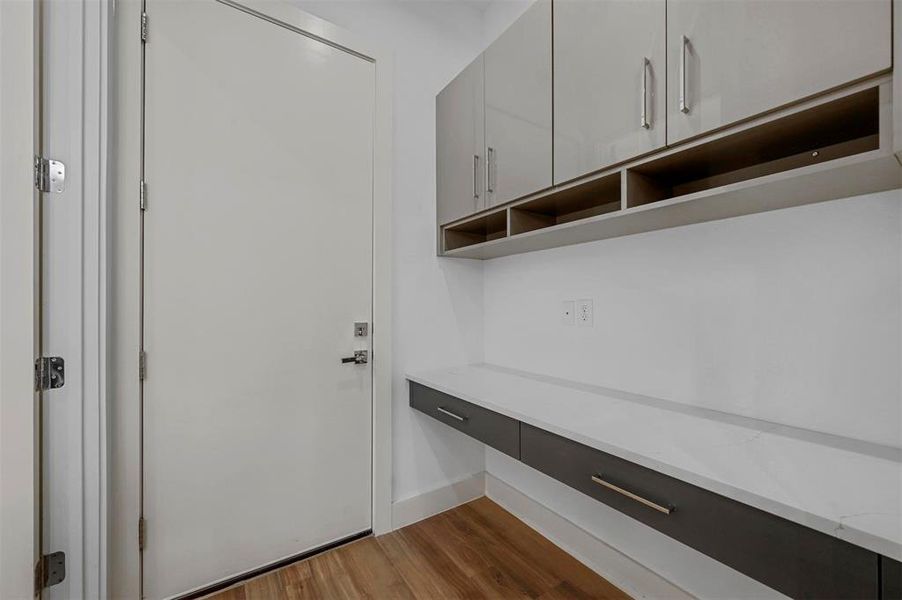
(628, 575)
(410, 510)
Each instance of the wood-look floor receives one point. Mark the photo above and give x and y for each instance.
(477, 550)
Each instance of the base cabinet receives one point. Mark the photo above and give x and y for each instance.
(790, 558)
(728, 61)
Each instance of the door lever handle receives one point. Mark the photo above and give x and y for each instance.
(360, 358)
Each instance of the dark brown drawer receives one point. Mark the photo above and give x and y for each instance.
(496, 430)
(792, 559)
(891, 579)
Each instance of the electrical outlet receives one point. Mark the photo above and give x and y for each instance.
(568, 312)
(585, 313)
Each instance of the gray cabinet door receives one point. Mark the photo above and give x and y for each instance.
(459, 136)
(609, 67)
(732, 60)
(518, 107)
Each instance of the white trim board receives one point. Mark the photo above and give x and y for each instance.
(19, 453)
(124, 297)
(416, 508)
(622, 571)
(75, 103)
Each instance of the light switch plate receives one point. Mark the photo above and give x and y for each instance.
(568, 312)
(585, 316)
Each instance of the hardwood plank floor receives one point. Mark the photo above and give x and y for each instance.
(477, 550)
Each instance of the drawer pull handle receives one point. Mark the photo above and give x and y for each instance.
(451, 414)
(662, 509)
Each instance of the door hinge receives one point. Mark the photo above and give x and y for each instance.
(142, 533)
(49, 175)
(49, 373)
(142, 195)
(142, 365)
(143, 27)
(50, 570)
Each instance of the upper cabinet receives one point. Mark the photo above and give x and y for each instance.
(460, 145)
(518, 112)
(730, 60)
(609, 77)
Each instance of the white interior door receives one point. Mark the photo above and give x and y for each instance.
(257, 263)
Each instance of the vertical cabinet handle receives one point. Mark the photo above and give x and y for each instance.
(490, 170)
(684, 102)
(476, 179)
(643, 114)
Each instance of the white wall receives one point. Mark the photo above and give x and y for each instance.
(437, 302)
(790, 316)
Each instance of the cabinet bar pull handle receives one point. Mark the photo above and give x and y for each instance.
(643, 119)
(661, 509)
(476, 177)
(684, 103)
(450, 414)
(489, 169)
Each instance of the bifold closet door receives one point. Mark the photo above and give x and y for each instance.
(258, 252)
(731, 60)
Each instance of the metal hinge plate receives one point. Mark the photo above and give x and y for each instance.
(144, 27)
(50, 570)
(142, 533)
(142, 365)
(142, 195)
(49, 175)
(49, 373)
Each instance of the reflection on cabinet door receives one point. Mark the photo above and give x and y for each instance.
(518, 107)
(609, 101)
(460, 138)
(728, 61)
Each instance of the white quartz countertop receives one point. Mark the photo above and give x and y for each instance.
(843, 487)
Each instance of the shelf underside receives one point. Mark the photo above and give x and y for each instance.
(836, 149)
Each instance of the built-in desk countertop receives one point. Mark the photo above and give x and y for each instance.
(842, 487)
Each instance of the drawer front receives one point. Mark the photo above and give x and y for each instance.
(795, 560)
(500, 432)
(891, 579)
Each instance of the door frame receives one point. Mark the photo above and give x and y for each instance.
(19, 305)
(83, 59)
(125, 469)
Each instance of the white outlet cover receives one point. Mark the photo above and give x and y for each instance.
(568, 312)
(585, 316)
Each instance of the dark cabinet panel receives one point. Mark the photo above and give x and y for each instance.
(489, 427)
(795, 560)
(891, 579)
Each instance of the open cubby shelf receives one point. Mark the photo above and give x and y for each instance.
(844, 127)
(484, 228)
(834, 147)
(597, 197)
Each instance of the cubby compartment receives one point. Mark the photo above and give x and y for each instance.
(591, 199)
(842, 127)
(474, 231)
